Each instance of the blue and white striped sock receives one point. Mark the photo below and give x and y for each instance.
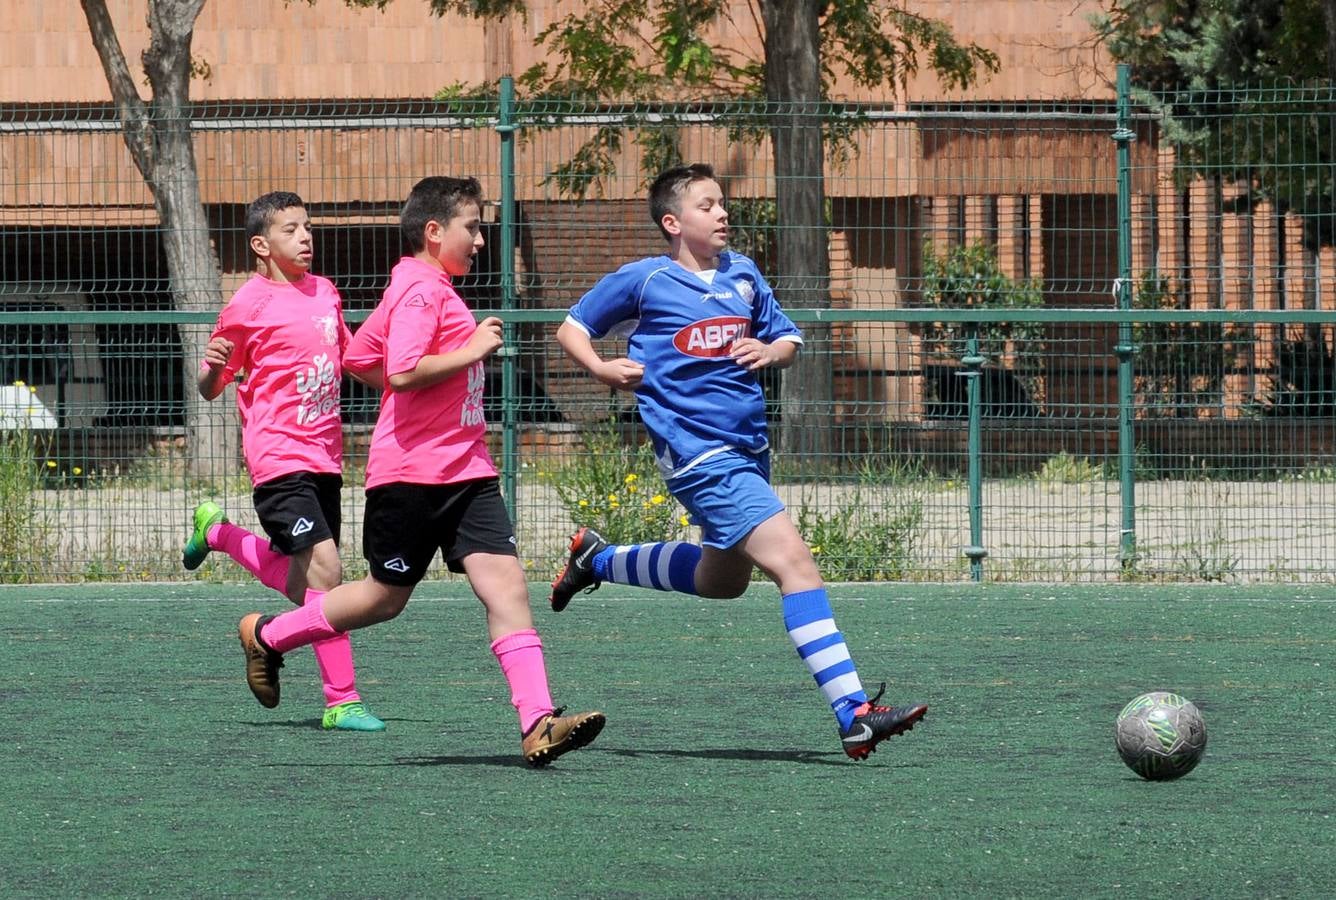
(663, 566)
(811, 626)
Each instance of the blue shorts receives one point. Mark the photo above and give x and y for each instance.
(727, 495)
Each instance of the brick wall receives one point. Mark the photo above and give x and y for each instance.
(258, 49)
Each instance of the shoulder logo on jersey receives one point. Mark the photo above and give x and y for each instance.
(416, 300)
(396, 565)
(711, 338)
(747, 291)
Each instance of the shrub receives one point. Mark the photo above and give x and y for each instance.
(863, 538)
(25, 537)
(616, 489)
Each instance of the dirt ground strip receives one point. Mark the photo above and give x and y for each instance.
(1250, 531)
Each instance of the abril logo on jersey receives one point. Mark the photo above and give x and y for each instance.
(711, 338)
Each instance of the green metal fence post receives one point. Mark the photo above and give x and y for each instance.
(1125, 350)
(505, 127)
(971, 370)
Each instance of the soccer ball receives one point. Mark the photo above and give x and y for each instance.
(1161, 735)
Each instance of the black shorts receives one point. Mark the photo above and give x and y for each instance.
(300, 510)
(405, 524)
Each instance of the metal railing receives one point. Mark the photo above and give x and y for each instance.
(1058, 342)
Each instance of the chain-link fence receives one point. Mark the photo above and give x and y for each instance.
(1047, 342)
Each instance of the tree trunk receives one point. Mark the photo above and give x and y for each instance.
(212, 437)
(793, 86)
(158, 137)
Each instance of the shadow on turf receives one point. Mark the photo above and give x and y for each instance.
(782, 756)
(509, 761)
(314, 724)
(811, 757)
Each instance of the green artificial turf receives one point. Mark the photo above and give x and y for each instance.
(136, 763)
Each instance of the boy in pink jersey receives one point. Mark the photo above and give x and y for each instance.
(431, 484)
(284, 330)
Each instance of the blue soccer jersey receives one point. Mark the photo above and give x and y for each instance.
(694, 399)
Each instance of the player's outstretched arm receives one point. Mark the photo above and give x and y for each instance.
(216, 354)
(621, 373)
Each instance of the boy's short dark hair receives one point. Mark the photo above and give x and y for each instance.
(260, 214)
(435, 197)
(665, 194)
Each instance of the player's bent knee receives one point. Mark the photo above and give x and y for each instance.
(386, 601)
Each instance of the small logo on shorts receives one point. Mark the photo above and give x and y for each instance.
(301, 526)
(397, 565)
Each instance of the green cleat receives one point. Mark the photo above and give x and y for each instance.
(350, 716)
(207, 515)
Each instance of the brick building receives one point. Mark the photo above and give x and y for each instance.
(331, 102)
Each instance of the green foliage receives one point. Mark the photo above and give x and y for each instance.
(1224, 76)
(864, 538)
(1311, 475)
(25, 533)
(1304, 381)
(616, 489)
(1180, 366)
(1208, 44)
(968, 276)
(628, 52)
(1067, 469)
(880, 44)
(753, 229)
(476, 104)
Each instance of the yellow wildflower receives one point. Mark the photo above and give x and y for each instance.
(657, 499)
(630, 479)
(77, 470)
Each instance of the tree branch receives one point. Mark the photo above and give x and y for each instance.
(131, 107)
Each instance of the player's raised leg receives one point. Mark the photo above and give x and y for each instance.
(660, 566)
(212, 531)
(207, 518)
(778, 549)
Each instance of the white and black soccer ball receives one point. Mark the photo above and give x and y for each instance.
(1161, 735)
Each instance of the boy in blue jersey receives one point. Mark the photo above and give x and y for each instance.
(701, 322)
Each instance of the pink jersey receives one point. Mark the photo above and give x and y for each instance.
(288, 340)
(434, 435)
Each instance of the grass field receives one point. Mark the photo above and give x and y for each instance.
(135, 762)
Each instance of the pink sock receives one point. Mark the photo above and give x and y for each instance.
(521, 658)
(334, 657)
(304, 625)
(252, 553)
